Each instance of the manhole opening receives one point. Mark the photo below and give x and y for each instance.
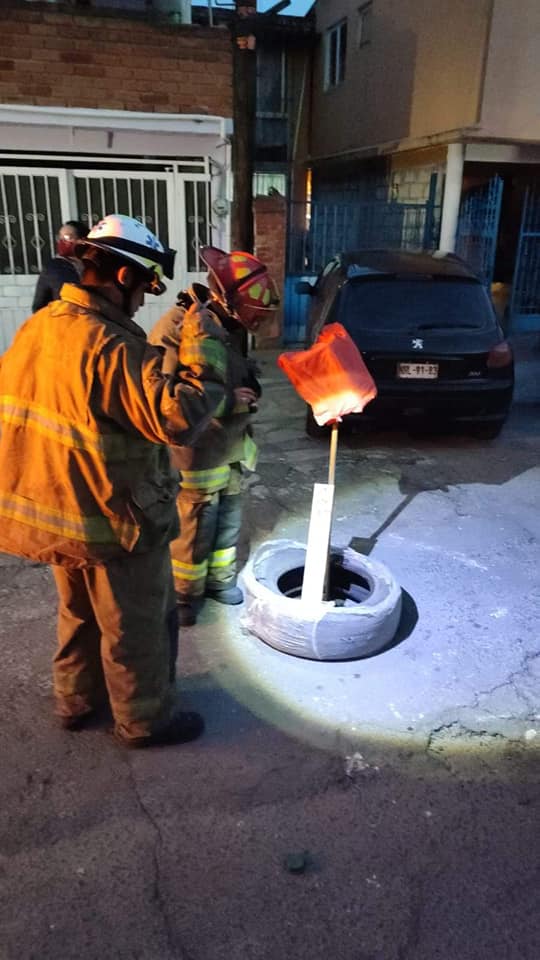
(345, 586)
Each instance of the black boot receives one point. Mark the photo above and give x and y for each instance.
(229, 595)
(187, 609)
(76, 721)
(182, 727)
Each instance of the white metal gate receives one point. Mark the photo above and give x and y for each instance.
(173, 199)
(175, 204)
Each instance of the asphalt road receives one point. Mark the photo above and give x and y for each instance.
(404, 789)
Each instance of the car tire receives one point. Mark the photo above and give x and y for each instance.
(319, 631)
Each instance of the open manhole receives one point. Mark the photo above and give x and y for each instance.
(360, 617)
(345, 586)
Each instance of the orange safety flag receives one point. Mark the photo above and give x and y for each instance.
(331, 376)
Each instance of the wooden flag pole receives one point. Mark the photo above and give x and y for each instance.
(333, 453)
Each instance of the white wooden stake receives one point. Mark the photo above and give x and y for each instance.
(315, 583)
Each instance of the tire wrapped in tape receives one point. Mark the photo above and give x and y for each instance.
(323, 631)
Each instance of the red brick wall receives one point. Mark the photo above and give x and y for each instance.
(270, 225)
(53, 58)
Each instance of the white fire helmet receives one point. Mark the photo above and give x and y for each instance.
(130, 240)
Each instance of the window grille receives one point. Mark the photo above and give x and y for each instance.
(30, 215)
(141, 197)
(197, 194)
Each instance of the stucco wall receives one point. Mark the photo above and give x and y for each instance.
(511, 103)
(420, 74)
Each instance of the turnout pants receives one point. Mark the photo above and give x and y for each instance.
(204, 555)
(117, 635)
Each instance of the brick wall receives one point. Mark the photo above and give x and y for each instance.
(270, 225)
(54, 58)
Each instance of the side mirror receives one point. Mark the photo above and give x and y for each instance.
(304, 287)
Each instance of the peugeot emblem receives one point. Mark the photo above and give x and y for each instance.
(418, 344)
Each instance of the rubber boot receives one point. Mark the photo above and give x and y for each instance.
(182, 727)
(76, 722)
(187, 609)
(229, 595)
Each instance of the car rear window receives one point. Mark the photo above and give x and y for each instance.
(413, 304)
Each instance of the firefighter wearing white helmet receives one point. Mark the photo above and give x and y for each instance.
(132, 242)
(86, 484)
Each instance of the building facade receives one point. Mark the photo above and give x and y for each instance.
(127, 105)
(436, 106)
(102, 111)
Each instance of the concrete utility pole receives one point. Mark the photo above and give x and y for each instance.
(244, 113)
(452, 196)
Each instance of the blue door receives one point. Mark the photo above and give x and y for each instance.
(525, 301)
(478, 227)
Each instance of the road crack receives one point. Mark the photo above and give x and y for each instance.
(176, 950)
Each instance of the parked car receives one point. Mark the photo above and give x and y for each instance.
(428, 332)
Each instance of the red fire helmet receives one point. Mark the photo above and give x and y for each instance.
(244, 282)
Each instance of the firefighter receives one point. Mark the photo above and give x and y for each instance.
(86, 485)
(240, 294)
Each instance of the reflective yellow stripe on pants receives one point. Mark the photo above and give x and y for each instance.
(209, 481)
(189, 578)
(219, 560)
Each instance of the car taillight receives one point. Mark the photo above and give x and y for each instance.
(499, 355)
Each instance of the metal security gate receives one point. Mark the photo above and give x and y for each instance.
(319, 230)
(525, 300)
(30, 214)
(175, 204)
(478, 227)
(173, 200)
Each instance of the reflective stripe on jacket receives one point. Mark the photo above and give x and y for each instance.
(85, 414)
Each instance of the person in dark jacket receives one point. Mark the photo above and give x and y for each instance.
(64, 268)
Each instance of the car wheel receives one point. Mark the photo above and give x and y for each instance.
(313, 429)
(363, 624)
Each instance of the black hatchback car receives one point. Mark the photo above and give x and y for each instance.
(428, 333)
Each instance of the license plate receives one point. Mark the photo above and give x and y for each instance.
(418, 371)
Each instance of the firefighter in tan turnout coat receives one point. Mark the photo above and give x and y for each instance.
(86, 484)
(240, 295)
